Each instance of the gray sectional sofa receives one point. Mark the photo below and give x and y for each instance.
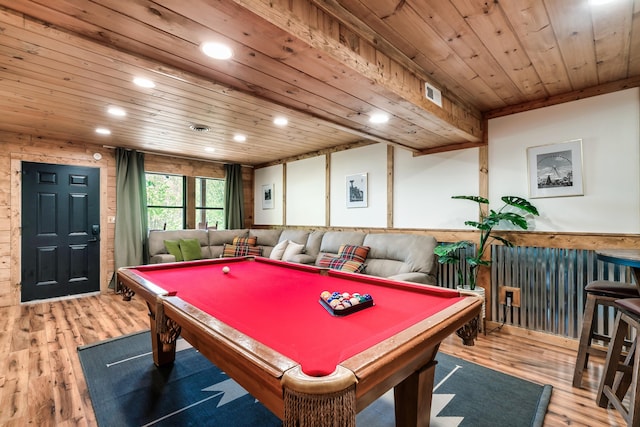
(398, 256)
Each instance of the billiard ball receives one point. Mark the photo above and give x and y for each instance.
(225, 269)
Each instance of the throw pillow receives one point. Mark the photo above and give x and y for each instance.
(173, 247)
(241, 250)
(245, 241)
(353, 252)
(278, 250)
(342, 264)
(190, 249)
(292, 250)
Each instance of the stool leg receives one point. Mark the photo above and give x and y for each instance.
(612, 361)
(634, 403)
(585, 340)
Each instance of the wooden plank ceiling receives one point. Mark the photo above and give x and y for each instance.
(326, 65)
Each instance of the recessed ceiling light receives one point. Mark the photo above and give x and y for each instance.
(379, 118)
(116, 111)
(103, 131)
(280, 121)
(239, 138)
(209, 149)
(142, 82)
(217, 50)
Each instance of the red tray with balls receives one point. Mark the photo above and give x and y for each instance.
(344, 303)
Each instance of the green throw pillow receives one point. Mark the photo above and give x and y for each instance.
(173, 247)
(190, 249)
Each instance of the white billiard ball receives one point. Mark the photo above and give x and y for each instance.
(225, 269)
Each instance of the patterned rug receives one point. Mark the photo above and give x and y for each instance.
(128, 390)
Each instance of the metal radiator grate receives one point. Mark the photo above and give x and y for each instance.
(551, 283)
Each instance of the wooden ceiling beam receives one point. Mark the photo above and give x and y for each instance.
(459, 120)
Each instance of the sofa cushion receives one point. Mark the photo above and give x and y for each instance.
(292, 250)
(190, 249)
(241, 250)
(157, 237)
(353, 252)
(220, 237)
(396, 253)
(173, 247)
(332, 240)
(266, 237)
(244, 241)
(278, 250)
(342, 264)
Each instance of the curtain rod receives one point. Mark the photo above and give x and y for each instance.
(174, 156)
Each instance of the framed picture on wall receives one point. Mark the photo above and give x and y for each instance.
(267, 196)
(555, 170)
(357, 191)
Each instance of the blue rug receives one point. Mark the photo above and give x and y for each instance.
(127, 389)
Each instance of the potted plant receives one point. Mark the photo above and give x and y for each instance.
(450, 253)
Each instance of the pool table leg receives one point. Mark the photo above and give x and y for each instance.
(412, 397)
(164, 334)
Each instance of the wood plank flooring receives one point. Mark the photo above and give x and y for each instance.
(42, 384)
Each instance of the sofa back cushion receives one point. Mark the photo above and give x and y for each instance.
(218, 238)
(394, 253)
(333, 240)
(157, 238)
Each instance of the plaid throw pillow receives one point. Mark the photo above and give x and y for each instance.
(245, 241)
(342, 264)
(242, 250)
(353, 252)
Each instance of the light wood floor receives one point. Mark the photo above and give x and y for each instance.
(41, 381)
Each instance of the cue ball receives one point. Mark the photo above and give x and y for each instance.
(225, 269)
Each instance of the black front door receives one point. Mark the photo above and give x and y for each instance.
(60, 230)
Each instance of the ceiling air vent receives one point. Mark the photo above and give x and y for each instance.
(433, 94)
(199, 128)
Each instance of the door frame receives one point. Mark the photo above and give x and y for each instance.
(82, 158)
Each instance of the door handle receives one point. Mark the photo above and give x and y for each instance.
(92, 240)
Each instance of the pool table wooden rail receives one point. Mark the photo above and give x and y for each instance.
(405, 361)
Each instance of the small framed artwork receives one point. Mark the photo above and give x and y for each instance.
(267, 196)
(555, 170)
(357, 191)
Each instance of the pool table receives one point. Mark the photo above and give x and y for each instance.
(263, 323)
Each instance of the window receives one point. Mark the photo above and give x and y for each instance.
(210, 202)
(166, 201)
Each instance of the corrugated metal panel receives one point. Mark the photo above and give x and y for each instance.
(551, 283)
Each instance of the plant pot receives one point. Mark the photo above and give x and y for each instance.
(480, 292)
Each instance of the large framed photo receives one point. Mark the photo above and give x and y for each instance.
(555, 170)
(357, 191)
(267, 196)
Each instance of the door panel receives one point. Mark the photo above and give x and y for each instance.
(60, 230)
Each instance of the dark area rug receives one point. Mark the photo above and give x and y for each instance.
(128, 390)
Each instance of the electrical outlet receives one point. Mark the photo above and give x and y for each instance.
(509, 296)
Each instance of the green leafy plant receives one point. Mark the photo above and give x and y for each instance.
(450, 253)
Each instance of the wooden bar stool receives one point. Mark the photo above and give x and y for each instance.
(613, 387)
(599, 293)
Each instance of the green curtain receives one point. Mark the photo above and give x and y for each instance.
(233, 197)
(130, 246)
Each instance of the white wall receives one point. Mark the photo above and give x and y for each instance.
(372, 160)
(306, 192)
(609, 126)
(424, 186)
(265, 176)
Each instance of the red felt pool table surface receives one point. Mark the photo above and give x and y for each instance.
(280, 307)
(263, 324)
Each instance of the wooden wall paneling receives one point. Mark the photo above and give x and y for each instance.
(26, 148)
(283, 220)
(390, 187)
(327, 190)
